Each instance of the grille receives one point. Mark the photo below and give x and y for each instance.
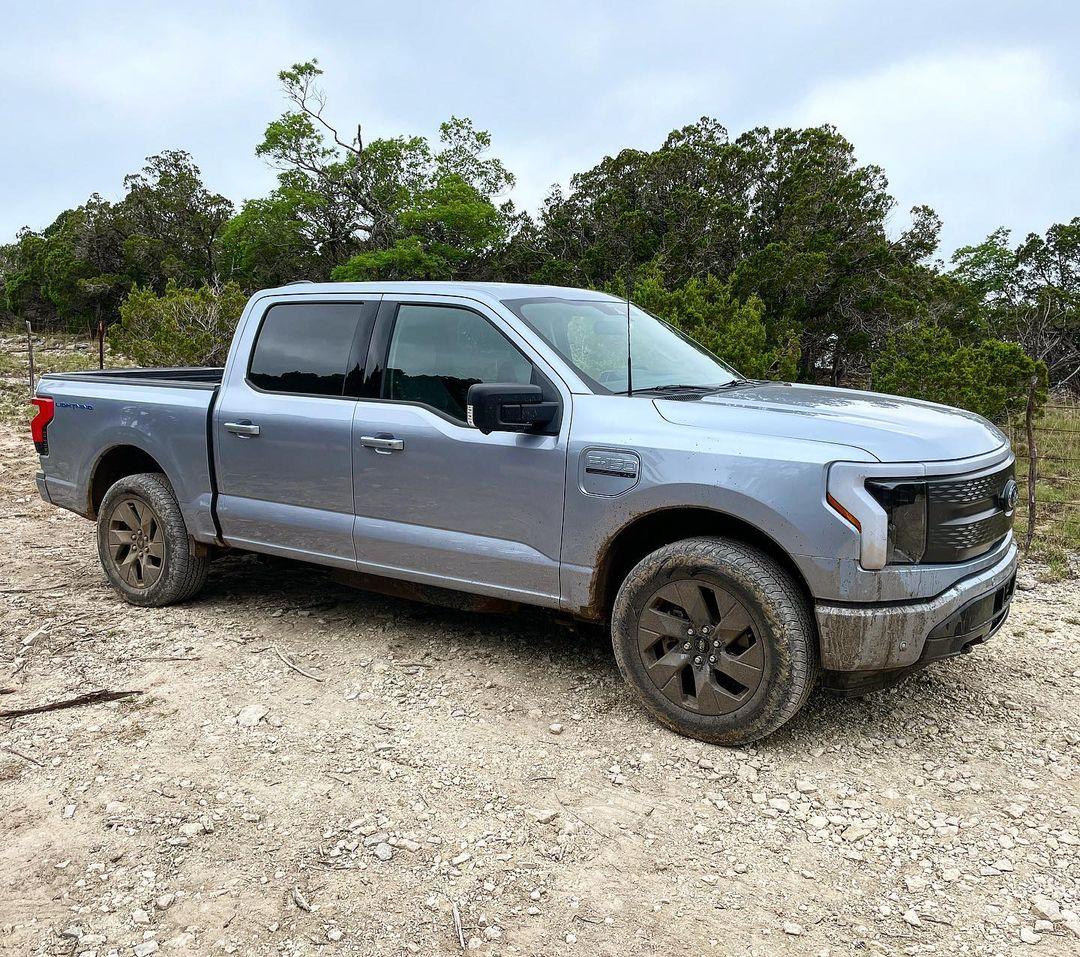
(966, 516)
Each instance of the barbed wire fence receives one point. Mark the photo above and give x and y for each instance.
(1047, 448)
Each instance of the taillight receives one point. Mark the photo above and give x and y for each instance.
(39, 425)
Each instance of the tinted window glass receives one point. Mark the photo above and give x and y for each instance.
(437, 352)
(305, 348)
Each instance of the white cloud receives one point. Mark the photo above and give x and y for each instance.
(974, 133)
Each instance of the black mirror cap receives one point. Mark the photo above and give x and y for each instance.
(509, 407)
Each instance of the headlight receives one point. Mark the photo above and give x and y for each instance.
(889, 513)
(905, 506)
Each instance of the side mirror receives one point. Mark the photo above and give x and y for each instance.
(507, 407)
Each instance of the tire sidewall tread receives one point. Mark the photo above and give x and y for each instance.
(184, 572)
(771, 597)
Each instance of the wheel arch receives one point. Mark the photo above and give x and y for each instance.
(115, 463)
(655, 529)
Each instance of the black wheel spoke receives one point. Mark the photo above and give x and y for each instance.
(662, 670)
(692, 599)
(708, 699)
(733, 623)
(744, 668)
(663, 623)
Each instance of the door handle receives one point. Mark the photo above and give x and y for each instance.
(245, 429)
(383, 444)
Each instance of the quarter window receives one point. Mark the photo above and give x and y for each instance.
(307, 348)
(437, 352)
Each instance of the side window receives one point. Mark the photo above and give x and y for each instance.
(307, 348)
(437, 352)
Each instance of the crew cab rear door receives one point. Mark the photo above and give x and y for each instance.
(436, 500)
(283, 427)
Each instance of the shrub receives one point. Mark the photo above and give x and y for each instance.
(183, 327)
(989, 377)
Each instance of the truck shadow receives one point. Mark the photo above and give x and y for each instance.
(521, 635)
(518, 644)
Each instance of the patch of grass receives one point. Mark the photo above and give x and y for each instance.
(1057, 489)
(52, 353)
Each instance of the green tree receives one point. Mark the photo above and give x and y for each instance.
(182, 326)
(788, 216)
(400, 206)
(171, 222)
(1030, 294)
(77, 270)
(447, 227)
(267, 244)
(990, 377)
(71, 272)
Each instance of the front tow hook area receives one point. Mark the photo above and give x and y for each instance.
(973, 623)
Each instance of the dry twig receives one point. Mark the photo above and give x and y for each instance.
(94, 697)
(295, 667)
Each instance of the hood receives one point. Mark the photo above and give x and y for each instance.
(890, 428)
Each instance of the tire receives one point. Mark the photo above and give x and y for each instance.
(727, 669)
(144, 545)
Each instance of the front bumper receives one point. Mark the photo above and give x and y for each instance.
(901, 636)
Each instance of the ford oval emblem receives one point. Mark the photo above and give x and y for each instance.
(1009, 496)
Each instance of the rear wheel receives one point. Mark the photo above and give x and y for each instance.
(716, 639)
(144, 544)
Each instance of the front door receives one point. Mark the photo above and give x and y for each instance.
(283, 431)
(437, 501)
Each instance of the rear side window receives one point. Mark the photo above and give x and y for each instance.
(437, 352)
(311, 348)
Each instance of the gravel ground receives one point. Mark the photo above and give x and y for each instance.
(309, 770)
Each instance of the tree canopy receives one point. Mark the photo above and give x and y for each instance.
(773, 248)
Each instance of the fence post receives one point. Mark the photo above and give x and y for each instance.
(101, 343)
(1033, 461)
(30, 354)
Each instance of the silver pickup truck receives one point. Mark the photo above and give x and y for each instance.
(513, 444)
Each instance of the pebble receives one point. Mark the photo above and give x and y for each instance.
(555, 728)
(1046, 908)
(250, 716)
(384, 851)
(334, 934)
(793, 930)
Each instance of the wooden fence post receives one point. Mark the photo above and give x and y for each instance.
(1033, 460)
(101, 343)
(30, 354)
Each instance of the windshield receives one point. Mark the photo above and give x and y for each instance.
(590, 334)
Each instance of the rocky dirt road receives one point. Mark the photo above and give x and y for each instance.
(315, 771)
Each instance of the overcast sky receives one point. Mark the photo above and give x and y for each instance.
(973, 108)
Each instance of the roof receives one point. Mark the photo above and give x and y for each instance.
(500, 291)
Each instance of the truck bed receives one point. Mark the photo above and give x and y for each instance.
(163, 412)
(208, 377)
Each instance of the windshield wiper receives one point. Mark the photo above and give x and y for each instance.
(687, 388)
(675, 389)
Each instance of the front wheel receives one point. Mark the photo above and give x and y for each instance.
(716, 639)
(144, 545)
